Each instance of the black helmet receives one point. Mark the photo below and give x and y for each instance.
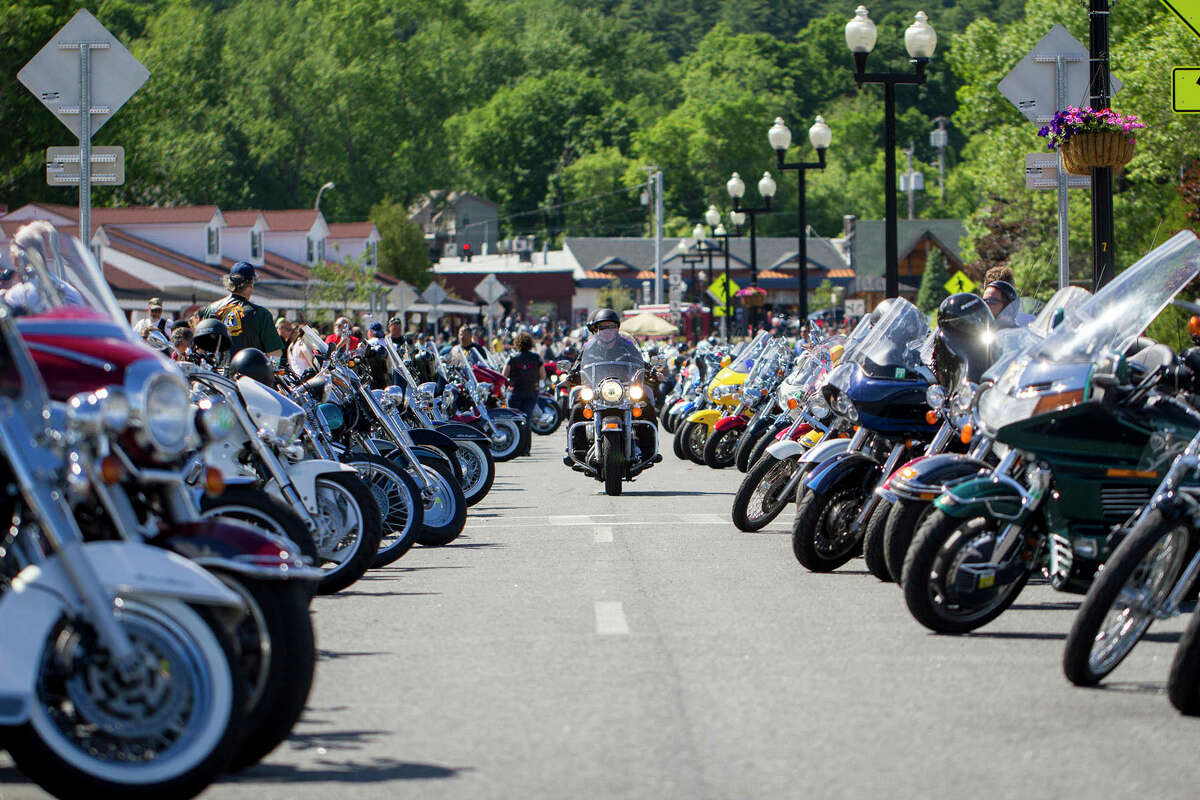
(211, 336)
(253, 363)
(603, 315)
(964, 312)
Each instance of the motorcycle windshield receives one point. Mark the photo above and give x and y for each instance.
(1102, 326)
(893, 346)
(619, 360)
(1011, 342)
(54, 273)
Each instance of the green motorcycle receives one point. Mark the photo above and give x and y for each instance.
(1071, 419)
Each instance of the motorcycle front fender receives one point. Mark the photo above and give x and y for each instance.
(844, 469)
(980, 497)
(237, 548)
(786, 449)
(303, 476)
(707, 417)
(433, 438)
(462, 431)
(924, 478)
(827, 448)
(511, 413)
(42, 593)
(731, 423)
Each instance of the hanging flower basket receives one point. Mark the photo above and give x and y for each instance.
(752, 296)
(1091, 139)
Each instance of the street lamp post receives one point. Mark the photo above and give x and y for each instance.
(821, 137)
(920, 40)
(685, 246)
(766, 188)
(737, 218)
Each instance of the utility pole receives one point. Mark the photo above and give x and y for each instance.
(939, 139)
(654, 185)
(908, 173)
(1103, 257)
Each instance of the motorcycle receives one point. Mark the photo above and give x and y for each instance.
(509, 432)
(879, 387)
(756, 404)
(1070, 420)
(721, 392)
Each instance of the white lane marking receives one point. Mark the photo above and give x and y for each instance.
(610, 618)
(603, 519)
(576, 519)
(604, 534)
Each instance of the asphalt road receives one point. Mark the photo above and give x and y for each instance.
(575, 645)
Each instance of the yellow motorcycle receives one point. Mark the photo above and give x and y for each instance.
(722, 396)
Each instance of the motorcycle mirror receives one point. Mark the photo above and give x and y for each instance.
(563, 365)
(1061, 314)
(156, 340)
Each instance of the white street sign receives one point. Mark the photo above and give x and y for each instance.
(1041, 172)
(1030, 86)
(434, 294)
(401, 297)
(108, 166)
(490, 289)
(53, 74)
(856, 308)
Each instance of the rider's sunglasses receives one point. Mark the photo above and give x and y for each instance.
(607, 326)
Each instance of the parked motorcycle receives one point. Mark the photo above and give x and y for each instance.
(756, 405)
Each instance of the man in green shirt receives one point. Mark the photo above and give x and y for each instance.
(249, 325)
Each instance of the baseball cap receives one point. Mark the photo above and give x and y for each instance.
(396, 321)
(243, 270)
(376, 329)
(155, 302)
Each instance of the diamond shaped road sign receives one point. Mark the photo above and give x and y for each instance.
(490, 289)
(53, 74)
(434, 294)
(1030, 85)
(1188, 11)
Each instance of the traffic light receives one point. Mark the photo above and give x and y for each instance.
(467, 251)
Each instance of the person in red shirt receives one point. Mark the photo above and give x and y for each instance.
(341, 336)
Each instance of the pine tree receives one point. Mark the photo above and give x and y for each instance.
(933, 282)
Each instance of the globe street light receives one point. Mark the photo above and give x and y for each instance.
(780, 137)
(685, 245)
(920, 40)
(719, 232)
(766, 189)
(317, 205)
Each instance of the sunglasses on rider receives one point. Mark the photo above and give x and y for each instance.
(606, 326)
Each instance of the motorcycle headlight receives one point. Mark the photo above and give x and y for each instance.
(636, 392)
(843, 406)
(935, 396)
(818, 408)
(395, 396)
(586, 394)
(289, 427)
(167, 413)
(610, 390)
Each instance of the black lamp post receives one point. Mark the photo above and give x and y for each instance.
(685, 247)
(738, 219)
(766, 188)
(821, 137)
(920, 40)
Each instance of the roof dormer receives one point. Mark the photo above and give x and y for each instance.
(212, 238)
(98, 242)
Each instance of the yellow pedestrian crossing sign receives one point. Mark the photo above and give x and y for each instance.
(721, 292)
(959, 282)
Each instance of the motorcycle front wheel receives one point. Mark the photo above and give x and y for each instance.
(612, 456)
(509, 439)
(695, 437)
(873, 542)
(821, 537)
(445, 507)
(1123, 601)
(745, 446)
(277, 652)
(903, 521)
(399, 501)
(478, 469)
(759, 449)
(761, 497)
(720, 448)
(169, 730)
(546, 417)
(249, 505)
(1183, 685)
(349, 528)
(950, 584)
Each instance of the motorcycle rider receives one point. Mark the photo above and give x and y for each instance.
(1002, 299)
(249, 325)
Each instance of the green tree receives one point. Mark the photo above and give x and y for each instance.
(933, 288)
(403, 253)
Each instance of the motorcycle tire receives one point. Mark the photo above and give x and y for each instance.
(192, 647)
(933, 549)
(670, 417)
(873, 542)
(356, 506)
(905, 518)
(248, 505)
(720, 448)
(760, 447)
(514, 439)
(1183, 685)
(613, 459)
(694, 441)
(811, 543)
(677, 443)
(758, 500)
(741, 456)
(478, 470)
(1135, 581)
(276, 629)
(446, 509)
(399, 501)
(545, 428)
